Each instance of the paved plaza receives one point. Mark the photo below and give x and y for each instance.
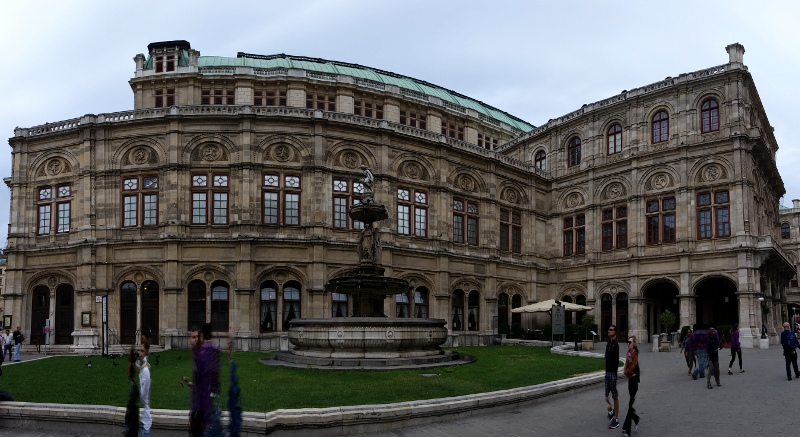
(758, 402)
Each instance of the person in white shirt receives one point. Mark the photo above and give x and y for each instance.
(144, 390)
(8, 343)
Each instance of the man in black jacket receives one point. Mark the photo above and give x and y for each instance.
(713, 356)
(612, 365)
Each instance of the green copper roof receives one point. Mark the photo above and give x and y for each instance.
(361, 72)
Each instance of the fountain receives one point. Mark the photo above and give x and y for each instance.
(369, 339)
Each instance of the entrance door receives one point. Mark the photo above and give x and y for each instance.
(150, 309)
(65, 314)
(127, 313)
(39, 313)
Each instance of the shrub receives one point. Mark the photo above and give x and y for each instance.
(516, 330)
(504, 328)
(547, 332)
(587, 321)
(667, 319)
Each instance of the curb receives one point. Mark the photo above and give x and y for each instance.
(333, 421)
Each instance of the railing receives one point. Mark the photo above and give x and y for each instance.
(492, 121)
(54, 127)
(710, 71)
(217, 70)
(271, 71)
(453, 107)
(371, 84)
(322, 76)
(414, 94)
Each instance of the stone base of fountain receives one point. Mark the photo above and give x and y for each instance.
(368, 343)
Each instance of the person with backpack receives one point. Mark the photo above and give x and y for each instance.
(789, 343)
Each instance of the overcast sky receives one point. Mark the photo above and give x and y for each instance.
(535, 60)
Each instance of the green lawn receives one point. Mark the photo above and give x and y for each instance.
(265, 388)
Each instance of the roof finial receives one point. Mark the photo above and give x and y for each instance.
(735, 53)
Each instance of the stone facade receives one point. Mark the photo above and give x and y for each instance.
(209, 202)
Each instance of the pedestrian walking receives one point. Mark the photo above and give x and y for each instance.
(699, 344)
(132, 409)
(631, 371)
(688, 351)
(8, 343)
(144, 389)
(18, 339)
(713, 357)
(789, 343)
(612, 367)
(205, 380)
(736, 349)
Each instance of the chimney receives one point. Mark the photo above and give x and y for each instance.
(796, 203)
(735, 53)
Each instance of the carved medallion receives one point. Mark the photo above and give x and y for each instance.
(51, 281)
(55, 166)
(660, 181)
(614, 191)
(466, 183)
(138, 277)
(573, 200)
(280, 276)
(390, 334)
(208, 276)
(140, 156)
(282, 153)
(412, 171)
(511, 196)
(712, 173)
(211, 153)
(350, 160)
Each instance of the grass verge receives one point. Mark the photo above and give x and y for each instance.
(67, 379)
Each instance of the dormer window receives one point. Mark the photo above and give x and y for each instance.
(165, 63)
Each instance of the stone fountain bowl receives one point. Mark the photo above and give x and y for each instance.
(367, 337)
(369, 212)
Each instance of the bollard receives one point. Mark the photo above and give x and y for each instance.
(655, 343)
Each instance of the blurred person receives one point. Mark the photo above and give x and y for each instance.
(612, 367)
(712, 349)
(631, 371)
(736, 349)
(789, 343)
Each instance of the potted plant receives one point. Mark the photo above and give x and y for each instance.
(587, 321)
(667, 319)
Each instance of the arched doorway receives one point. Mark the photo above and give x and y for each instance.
(457, 311)
(516, 302)
(606, 314)
(659, 296)
(716, 303)
(502, 310)
(150, 309)
(622, 315)
(65, 314)
(40, 312)
(127, 313)
(570, 316)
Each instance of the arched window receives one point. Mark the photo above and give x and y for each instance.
(473, 321)
(539, 159)
(785, 231)
(269, 306)
(660, 126)
(197, 304)
(150, 309)
(339, 307)
(574, 152)
(401, 305)
(614, 139)
(502, 309)
(291, 303)
(219, 306)
(457, 305)
(710, 115)
(421, 303)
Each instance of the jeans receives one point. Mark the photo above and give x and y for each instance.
(734, 352)
(7, 350)
(633, 387)
(791, 357)
(702, 363)
(16, 351)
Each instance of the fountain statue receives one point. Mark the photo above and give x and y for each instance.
(369, 339)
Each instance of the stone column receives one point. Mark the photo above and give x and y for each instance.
(687, 306)
(636, 312)
(746, 334)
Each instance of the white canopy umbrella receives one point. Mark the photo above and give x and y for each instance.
(547, 305)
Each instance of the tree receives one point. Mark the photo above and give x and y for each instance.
(587, 321)
(667, 319)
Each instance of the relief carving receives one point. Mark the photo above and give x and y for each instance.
(412, 170)
(466, 183)
(574, 200)
(211, 153)
(350, 160)
(283, 153)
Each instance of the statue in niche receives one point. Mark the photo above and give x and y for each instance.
(369, 244)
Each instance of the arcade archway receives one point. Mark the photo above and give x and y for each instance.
(716, 302)
(659, 297)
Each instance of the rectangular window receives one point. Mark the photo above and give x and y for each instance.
(44, 219)
(704, 223)
(472, 231)
(516, 239)
(622, 234)
(199, 201)
(220, 208)
(412, 212)
(130, 217)
(320, 101)
(504, 228)
(652, 229)
(340, 212)
(367, 109)
(420, 222)
(292, 209)
(63, 217)
(608, 236)
(219, 309)
(270, 208)
(568, 243)
(668, 232)
(580, 241)
(150, 210)
(510, 231)
(723, 222)
(458, 228)
(403, 219)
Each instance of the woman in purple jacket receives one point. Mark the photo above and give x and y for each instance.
(736, 349)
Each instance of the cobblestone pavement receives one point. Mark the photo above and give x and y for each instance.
(670, 403)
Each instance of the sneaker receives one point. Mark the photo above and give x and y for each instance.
(624, 434)
(614, 424)
(694, 377)
(709, 386)
(719, 385)
(636, 426)
(610, 414)
(790, 378)
(730, 373)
